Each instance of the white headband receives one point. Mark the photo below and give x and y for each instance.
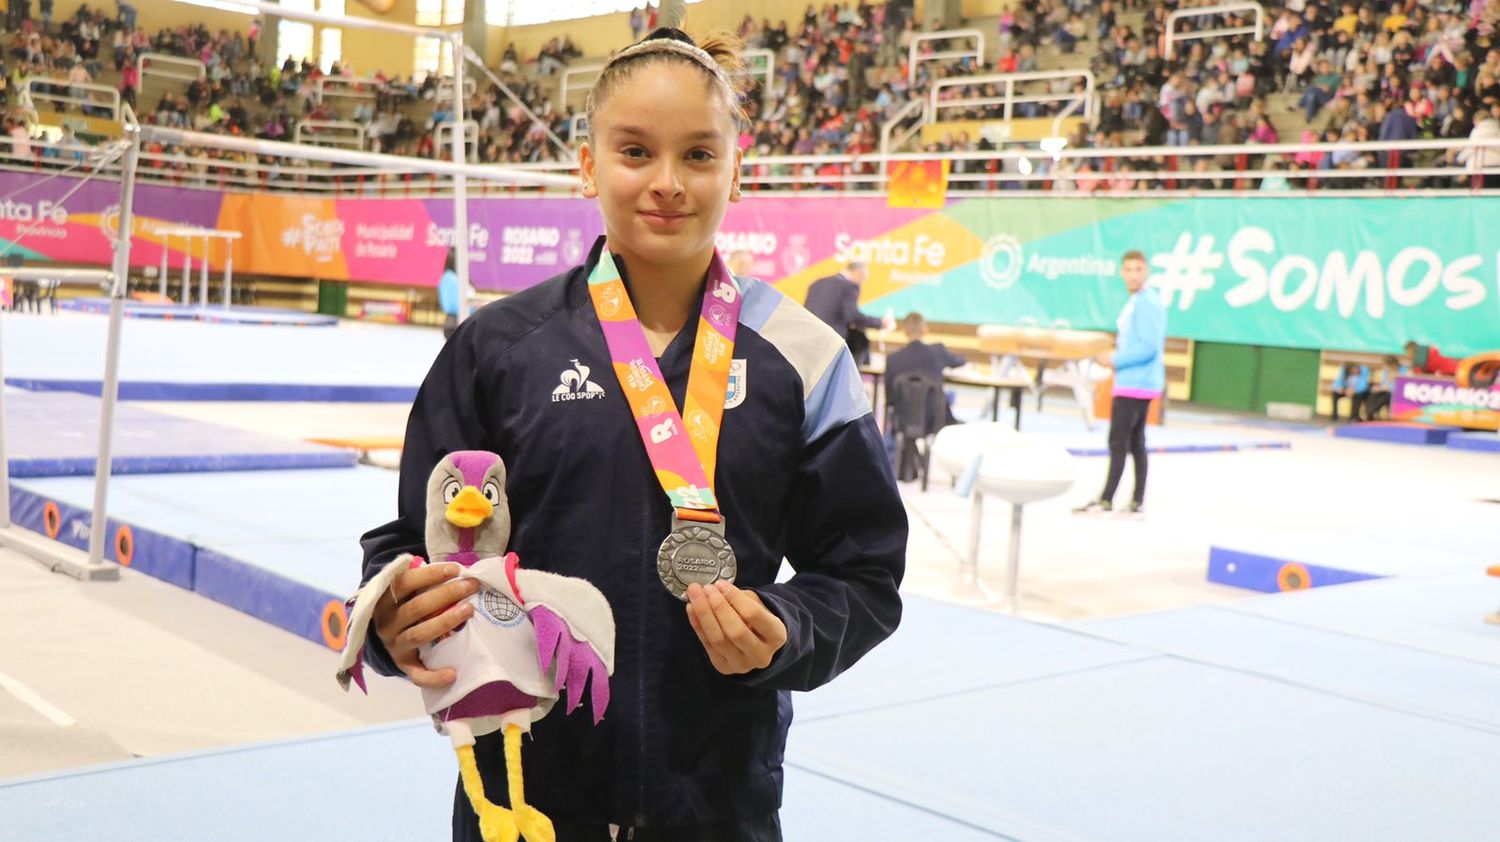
(692, 51)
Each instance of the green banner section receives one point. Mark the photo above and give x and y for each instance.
(1348, 274)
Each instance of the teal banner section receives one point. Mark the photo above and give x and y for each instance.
(1349, 274)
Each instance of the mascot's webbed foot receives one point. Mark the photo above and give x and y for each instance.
(497, 824)
(534, 826)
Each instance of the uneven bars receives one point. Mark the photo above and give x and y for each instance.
(280, 149)
(220, 233)
(40, 273)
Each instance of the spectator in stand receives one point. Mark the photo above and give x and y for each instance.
(1486, 130)
(1322, 89)
(1399, 124)
(1264, 132)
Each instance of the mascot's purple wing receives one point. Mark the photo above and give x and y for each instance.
(575, 635)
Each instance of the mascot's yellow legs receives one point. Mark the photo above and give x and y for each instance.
(497, 824)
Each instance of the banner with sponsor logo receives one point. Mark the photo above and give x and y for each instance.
(1358, 274)
(68, 220)
(1336, 273)
(1431, 400)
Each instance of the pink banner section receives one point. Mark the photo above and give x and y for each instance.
(514, 242)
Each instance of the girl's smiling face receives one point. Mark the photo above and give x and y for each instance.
(663, 163)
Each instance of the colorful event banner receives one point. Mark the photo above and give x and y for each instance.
(1432, 400)
(1357, 274)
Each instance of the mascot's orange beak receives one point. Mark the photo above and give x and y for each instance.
(469, 508)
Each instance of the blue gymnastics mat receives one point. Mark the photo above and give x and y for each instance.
(1087, 739)
(1484, 442)
(50, 434)
(282, 546)
(262, 792)
(1432, 614)
(188, 361)
(1395, 432)
(1294, 560)
(212, 313)
(939, 650)
(1457, 689)
(1068, 430)
(1164, 748)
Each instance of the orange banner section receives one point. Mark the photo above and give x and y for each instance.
(918, 184)
(297, 236)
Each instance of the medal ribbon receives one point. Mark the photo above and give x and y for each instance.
(683, 447)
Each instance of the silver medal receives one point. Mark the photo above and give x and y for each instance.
(694, 552)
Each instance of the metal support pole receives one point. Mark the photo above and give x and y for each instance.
(228, 270)
(460, 185)
(1013, 561)
(187, 272)
(969, 587)
(4, 459)
(203, 277)
(163, 277)
(976, 517)
(112, 360)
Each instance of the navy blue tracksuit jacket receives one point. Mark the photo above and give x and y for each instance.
(802, 474)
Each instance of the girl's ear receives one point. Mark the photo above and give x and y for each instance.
(586, 171)
(734, 188)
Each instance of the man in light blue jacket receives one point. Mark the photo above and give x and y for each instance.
(1140, 378)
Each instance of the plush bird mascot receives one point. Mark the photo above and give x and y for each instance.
(532, 634)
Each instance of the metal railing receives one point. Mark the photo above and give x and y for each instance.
(60, 94)
(442, 137)
(568, 84)
(338, 91)
(343, 134)
(913, 59)
(760, 64)
(1385, 167)
(475, 61)
(150, 66)
(901, 128)
(1173, 36)
(1011, 98)
(444, 89)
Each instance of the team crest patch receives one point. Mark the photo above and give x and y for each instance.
(737, 388)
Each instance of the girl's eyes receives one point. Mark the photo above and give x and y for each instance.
(638, 153)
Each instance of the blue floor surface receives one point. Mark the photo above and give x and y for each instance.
(281, 546)
(337, 786)
(1481, 442)
(212, 313)
(50, 434)
(1197, 724)
(1068, 429)
(299, 525)
(1435, 615)
(180, 360)
(1390, 674)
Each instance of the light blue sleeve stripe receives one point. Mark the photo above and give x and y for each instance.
(760, 302)
(838, 399)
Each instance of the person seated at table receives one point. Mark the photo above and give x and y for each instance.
(1380, 388)
(1425, 359)
(1352, 382)
(919, 357)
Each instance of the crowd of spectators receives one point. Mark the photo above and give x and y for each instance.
(1355, 70)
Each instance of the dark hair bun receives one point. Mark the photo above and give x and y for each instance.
(673, 34)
